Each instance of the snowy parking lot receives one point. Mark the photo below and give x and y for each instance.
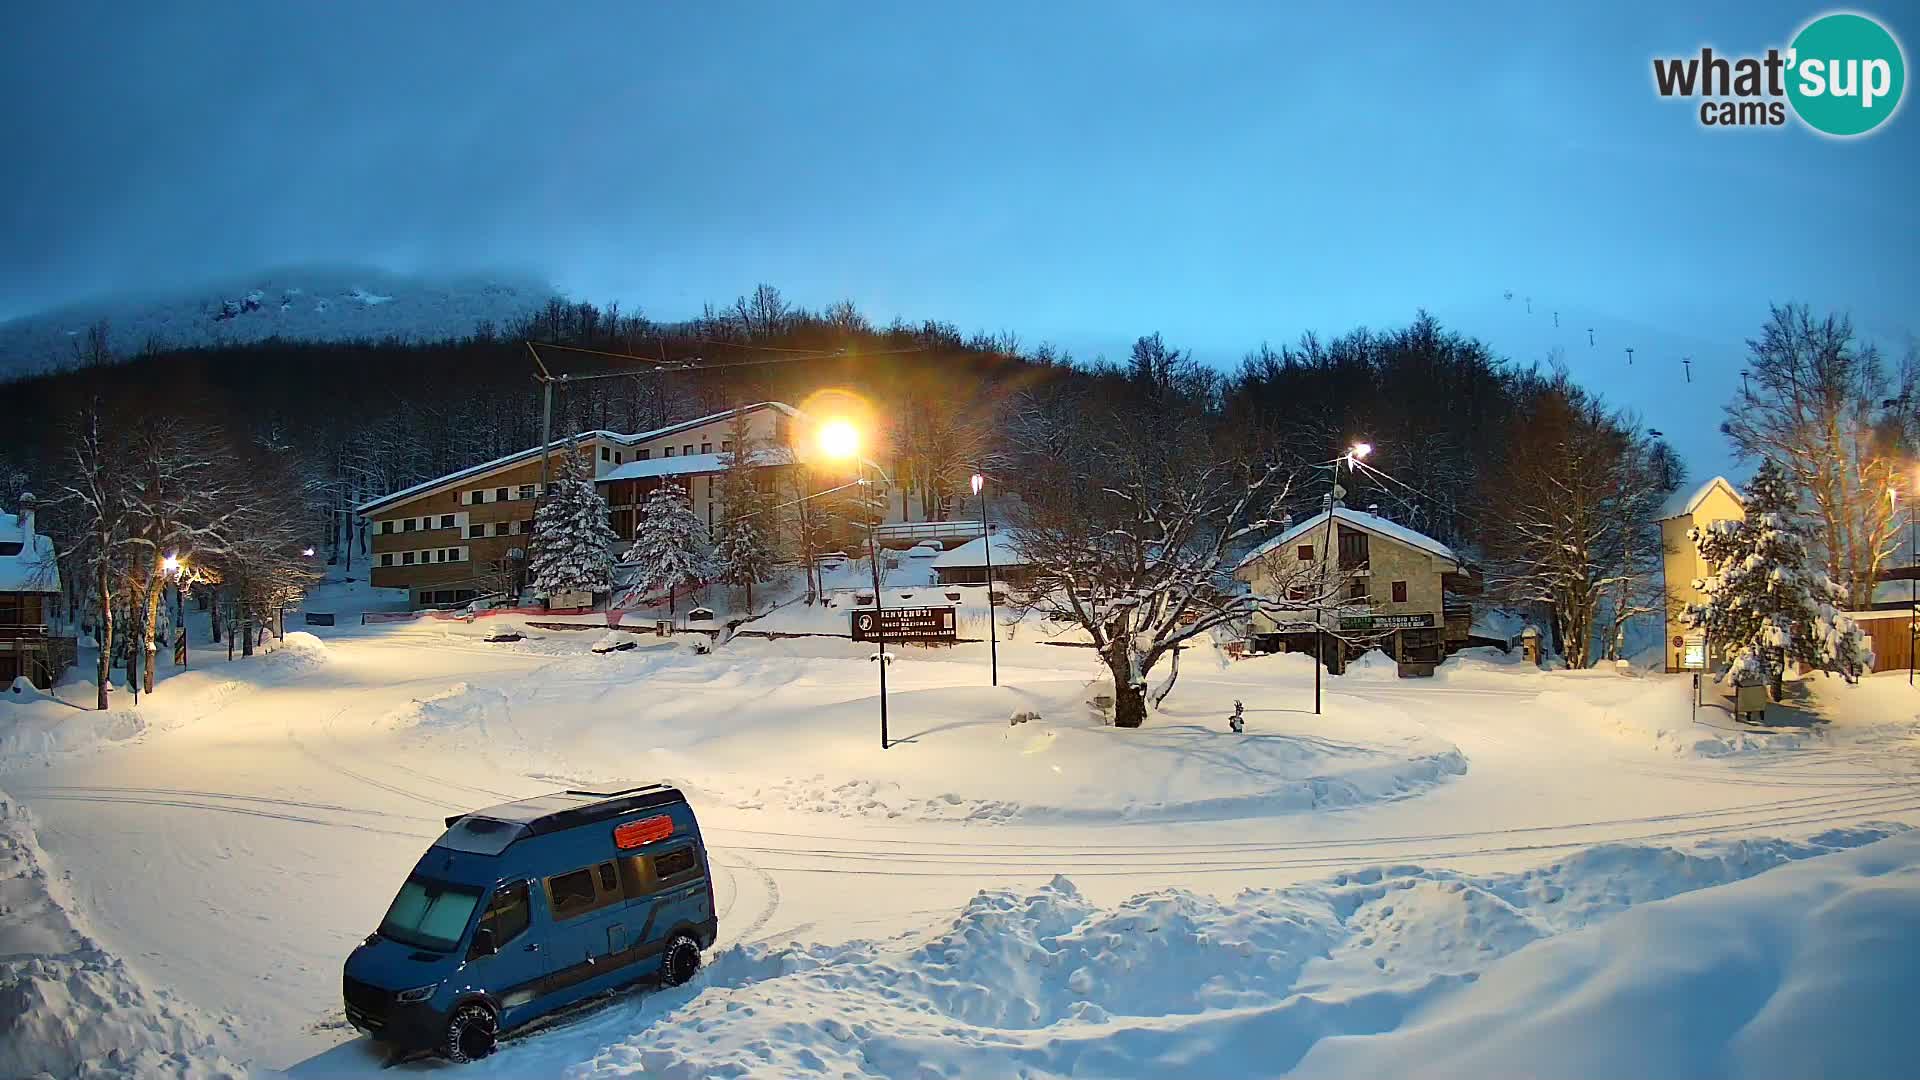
(1050, 897)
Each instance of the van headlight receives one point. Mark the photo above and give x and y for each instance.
(417, 994)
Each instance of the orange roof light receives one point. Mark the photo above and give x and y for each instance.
(643, 832)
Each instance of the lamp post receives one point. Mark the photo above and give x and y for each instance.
(840, 441)
(176, 568)
(986, 543)
(1357, 452)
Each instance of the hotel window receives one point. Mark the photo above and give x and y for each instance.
(1353, 549)
(605, 454)
(476, 530)
(1305, 552)
(726, 446)
(1357, 589)
(386, 526)
(446, 521)
(1399, 592)
(500, 495)
(386, 559)
(526, 491)
(706, 448)
(453, 554)
(406, 558)
(526, 526)
(616, 457)
(668, 452)
(687, 449)
(407, 525)
(642, 455)
(479, 497)
(499, 528)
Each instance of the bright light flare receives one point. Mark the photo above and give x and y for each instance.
(978, 482)
(308, 552)
(170, 564)
(1360, 450)
(839, 440)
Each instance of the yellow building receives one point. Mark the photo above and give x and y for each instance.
(1715, 500)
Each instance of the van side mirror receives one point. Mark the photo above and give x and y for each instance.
(483, 943)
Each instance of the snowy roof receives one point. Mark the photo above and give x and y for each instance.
(974, 552)
(1684, 503)
(1372, 523)
(33, 569)
(560, 444)
(689, 464)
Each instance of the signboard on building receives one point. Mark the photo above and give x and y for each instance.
(905, 624)
(1386, 622)
(1693, 652)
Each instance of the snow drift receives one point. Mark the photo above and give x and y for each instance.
(1170, 983)
(67, 1006)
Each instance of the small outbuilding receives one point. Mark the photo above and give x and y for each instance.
(967, 564)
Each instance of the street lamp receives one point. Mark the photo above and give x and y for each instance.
(176, 568)
(986, 544)
(840, 441)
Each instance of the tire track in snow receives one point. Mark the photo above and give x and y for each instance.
(227, 808)
(998, 869)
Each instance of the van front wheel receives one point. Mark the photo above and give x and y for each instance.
(682, 960)
(471, 1031)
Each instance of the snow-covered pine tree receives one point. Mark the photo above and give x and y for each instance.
(742, 554)
(1767, 603)
(670, 546)
(572, 547)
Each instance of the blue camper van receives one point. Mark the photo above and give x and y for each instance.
(526, 908)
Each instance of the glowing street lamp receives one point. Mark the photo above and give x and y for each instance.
(1359, 451)
(840, 441)
(986, 544)
(176, 568)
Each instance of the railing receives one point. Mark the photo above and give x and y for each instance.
(22, 631)
(916, 531)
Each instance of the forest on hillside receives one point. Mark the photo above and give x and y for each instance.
(1546, 486)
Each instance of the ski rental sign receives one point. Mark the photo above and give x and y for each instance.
(904, 624)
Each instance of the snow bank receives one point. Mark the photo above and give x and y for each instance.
(67, 1007)
(1169, 983)
(1806, 971)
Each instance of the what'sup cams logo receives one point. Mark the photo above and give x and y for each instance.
(1842, 76)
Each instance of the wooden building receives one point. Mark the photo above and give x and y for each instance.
(465, 534)
(29, 587)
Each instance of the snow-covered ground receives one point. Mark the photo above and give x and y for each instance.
(1051, 897)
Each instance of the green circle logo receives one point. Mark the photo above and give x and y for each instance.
(1845, 74)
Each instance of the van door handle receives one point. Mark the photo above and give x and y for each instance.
(535, 947)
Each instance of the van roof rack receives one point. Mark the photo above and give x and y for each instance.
(577, 806)
(614, 790)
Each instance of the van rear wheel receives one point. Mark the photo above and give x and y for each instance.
(471, 1032)
(682, 960)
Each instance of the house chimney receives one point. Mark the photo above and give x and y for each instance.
(26, 517)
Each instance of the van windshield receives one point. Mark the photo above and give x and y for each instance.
(429, 914)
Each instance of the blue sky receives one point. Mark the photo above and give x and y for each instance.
(1077, 173)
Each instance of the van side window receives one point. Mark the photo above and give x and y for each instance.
(571, 894)
(584, 890)
(509, 913)
(674, 864)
